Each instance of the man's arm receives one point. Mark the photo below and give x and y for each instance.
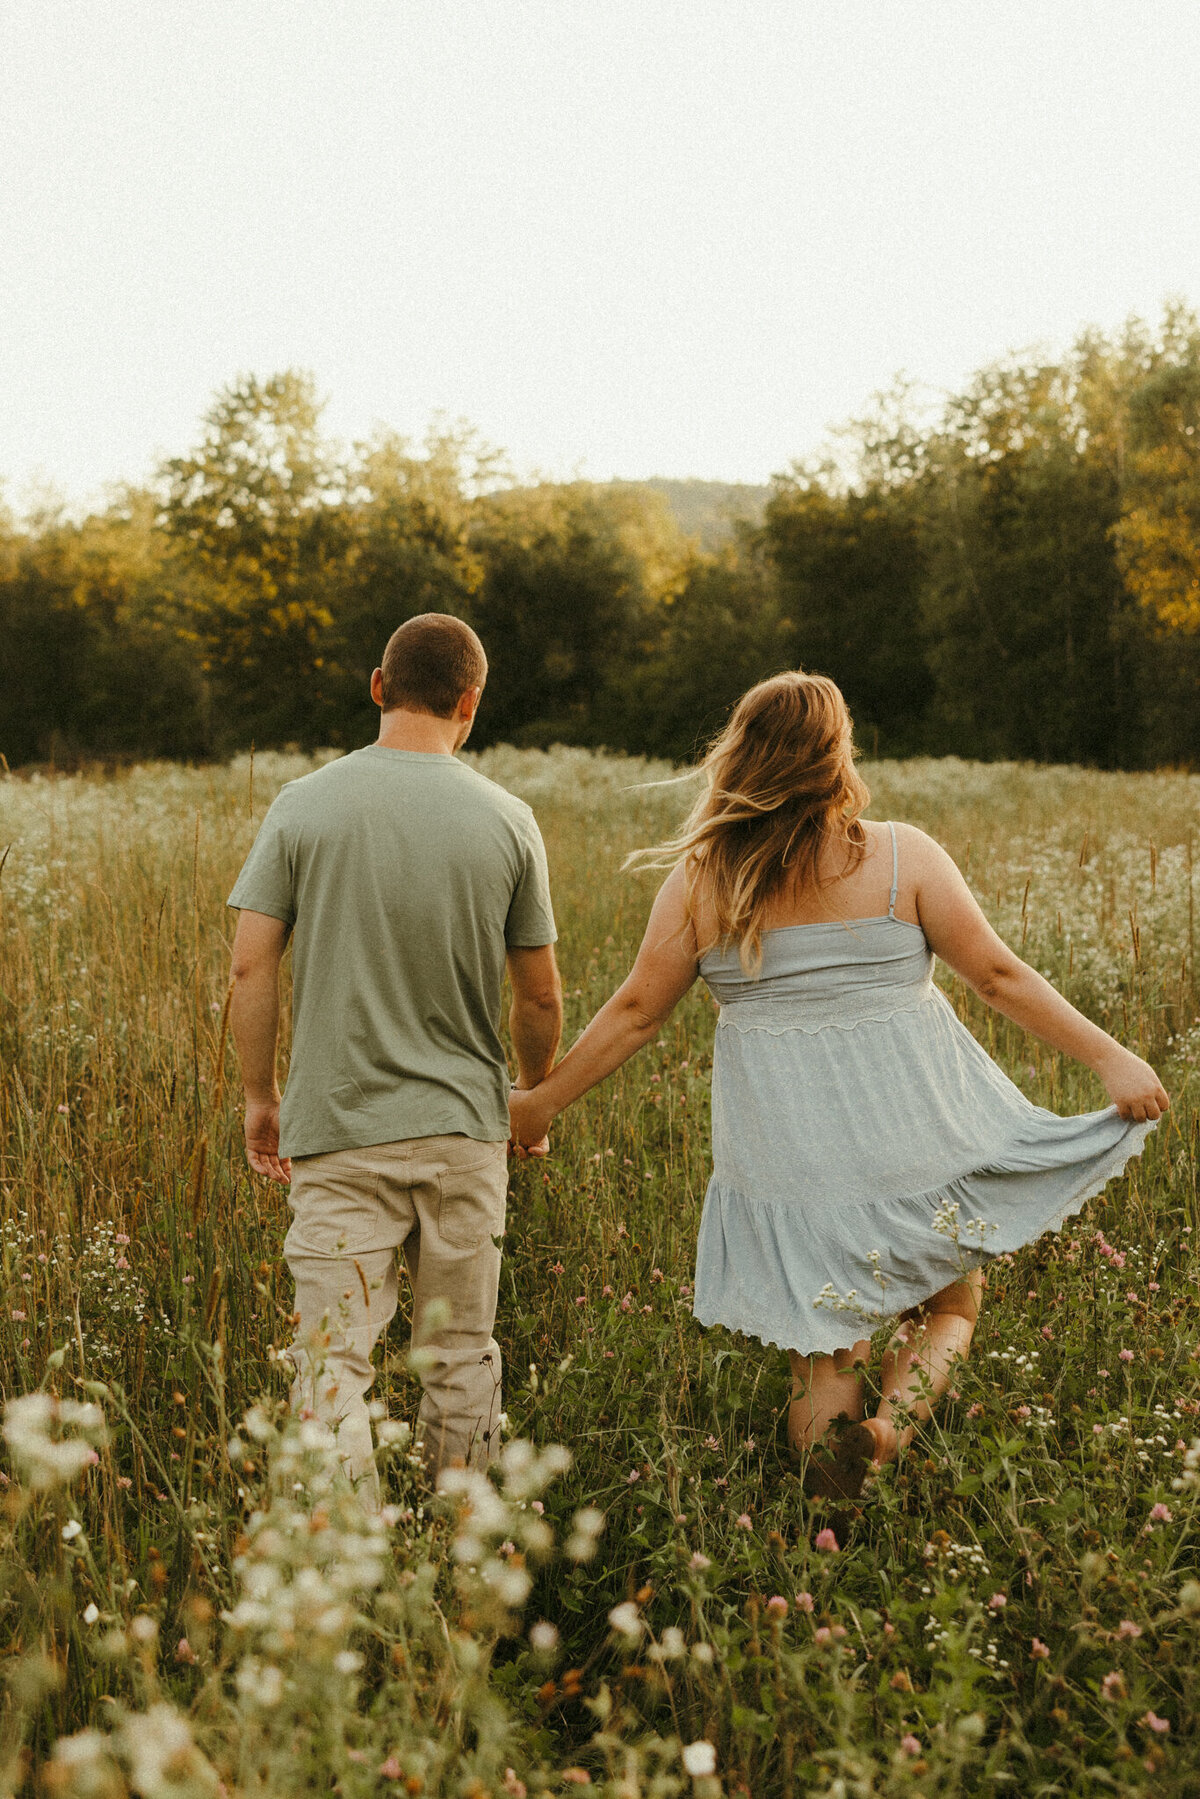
(537, 1012)
(258, 947)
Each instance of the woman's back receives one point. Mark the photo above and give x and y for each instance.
(848, 890)
(820, 972)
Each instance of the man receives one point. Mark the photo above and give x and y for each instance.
(406, 882)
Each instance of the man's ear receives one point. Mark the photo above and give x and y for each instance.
(468, 705)
(377, 688)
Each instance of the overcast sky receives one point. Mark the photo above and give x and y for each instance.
(623, 237)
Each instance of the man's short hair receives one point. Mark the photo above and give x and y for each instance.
(429, 663)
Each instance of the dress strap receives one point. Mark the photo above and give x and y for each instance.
(895, 873)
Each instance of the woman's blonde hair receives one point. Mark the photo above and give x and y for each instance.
(780, 785)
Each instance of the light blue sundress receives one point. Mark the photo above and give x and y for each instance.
(866, 1149)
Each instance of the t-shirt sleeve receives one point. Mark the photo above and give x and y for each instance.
(530, 922)
(266, 882)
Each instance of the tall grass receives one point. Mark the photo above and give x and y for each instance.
(1016, 1610)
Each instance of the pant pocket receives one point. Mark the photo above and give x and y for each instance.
(334, 1204)
(471, 1198)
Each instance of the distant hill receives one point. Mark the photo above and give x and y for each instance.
(707, 510)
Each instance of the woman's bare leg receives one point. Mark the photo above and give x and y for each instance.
(920, 1359)
(823, 1387)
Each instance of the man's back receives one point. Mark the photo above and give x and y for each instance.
(406, 877)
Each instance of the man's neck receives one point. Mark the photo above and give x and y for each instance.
(422, 732)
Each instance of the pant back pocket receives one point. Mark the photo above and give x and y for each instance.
(471, 1198)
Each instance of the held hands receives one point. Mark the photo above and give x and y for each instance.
(262, 1140)
(1133, 1087)
(529, 1122)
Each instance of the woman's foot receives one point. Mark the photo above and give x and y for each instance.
(885, 1440)
(837, 1470)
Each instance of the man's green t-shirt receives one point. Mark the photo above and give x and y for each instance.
(405, 878)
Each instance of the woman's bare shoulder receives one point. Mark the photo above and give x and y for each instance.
(922, 858)
(878, 833)
(674, 890)
(694, 899)
(673, 904)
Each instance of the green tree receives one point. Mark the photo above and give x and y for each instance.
(92, 662)
(256, 515)
(1023, 606)
(716, 636)
(1157, 536)
(1038, 646)
(850, 567)
(408, 551)
(572, 575)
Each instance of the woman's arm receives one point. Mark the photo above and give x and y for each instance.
(665, 968)
(958, 932)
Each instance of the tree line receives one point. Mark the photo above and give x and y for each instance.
(1014, 573)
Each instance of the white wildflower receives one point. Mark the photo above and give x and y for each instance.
(82, 1765)
(164, 1762)
(510, 1584)
(257, 1424)
(699, 1759)
(1191, 1468)
(580, 1546)
(393, 1434)
(625, 1621)
(315, 1435)
(829, 1299)
(33, 1429)
(671, 1646)
(261, 1683)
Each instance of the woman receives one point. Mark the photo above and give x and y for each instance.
(869, 1156)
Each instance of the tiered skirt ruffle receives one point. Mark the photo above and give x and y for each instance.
(809, 1274)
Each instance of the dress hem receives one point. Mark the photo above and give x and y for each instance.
(1114, 1164)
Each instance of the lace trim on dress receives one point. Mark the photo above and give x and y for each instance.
(812, 1016)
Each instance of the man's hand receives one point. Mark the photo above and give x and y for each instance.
(530, 1125)
(262, 1141)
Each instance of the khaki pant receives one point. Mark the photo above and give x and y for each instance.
(442, 1201)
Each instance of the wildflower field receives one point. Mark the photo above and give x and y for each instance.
(639, 1602)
